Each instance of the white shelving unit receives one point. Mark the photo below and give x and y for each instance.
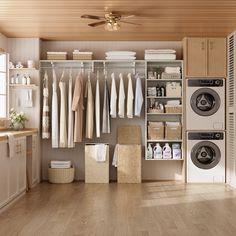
(158, 66)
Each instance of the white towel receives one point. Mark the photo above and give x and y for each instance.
(60, 164)
(130, 98)
(101, 152)
(113, 100)
(120, 57)
(173, 102)
(160, 56)
(28, 98)
(97, 110)
(122, 53)
(115, 156)
(169, 69)
(11, 145)
(161, 51)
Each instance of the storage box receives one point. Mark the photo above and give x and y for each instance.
(61, 175)
(156, 131)
(173, 132)
(82, 55)
(173, 76)
(173, 89)
(130, 134)
(129, 163)
(154, 110)
(173, 108)
(96, 172)
(56, 55)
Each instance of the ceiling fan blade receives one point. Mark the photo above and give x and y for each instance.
(126, 22)
(92, 17)
(126, 17)
(97, 23)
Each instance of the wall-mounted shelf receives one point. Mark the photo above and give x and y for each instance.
(163, 80)
(31, 86)
(165, 141)
(150, 97)
(164, 159)
(165, 114)
(23, 69)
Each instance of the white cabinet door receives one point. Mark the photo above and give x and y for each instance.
(4, 173)
(13, 171)
(22, 166)
(35, 160)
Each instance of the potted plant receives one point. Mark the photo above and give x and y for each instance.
(17, 120)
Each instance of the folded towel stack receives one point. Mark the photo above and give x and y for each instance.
(120, 55)
(171, 70)
(61, 164)
(160, 54)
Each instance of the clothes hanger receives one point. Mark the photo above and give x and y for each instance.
(62, 75)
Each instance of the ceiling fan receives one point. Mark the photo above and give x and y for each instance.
(111, 20)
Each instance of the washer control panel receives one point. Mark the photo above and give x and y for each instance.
(205, 82)
(206, 136)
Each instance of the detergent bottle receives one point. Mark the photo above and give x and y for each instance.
(149, 151)
(167, 151)
(157, 152)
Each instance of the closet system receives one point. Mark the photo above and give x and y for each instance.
(90, 108)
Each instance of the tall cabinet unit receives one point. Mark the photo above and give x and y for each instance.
(164, 120)
(231, 111)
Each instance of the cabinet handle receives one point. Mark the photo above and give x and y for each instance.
(211, 45)
(203, 45)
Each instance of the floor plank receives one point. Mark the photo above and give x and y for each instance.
(158, 208)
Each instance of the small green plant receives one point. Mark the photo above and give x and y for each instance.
(17, 119)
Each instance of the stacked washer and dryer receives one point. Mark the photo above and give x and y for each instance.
(205, 125)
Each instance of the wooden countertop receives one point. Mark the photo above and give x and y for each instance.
(25, 132)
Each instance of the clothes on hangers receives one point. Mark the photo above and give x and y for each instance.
(54, 111)
(63, 122)
(138, 97)
(89, 110)
(113, 99)
(45, 112)
(78, 107)
(97, 109)
(121, 102)
(105, 113)
(71, 143)
(130, 97)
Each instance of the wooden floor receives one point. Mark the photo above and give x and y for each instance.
(146, 209)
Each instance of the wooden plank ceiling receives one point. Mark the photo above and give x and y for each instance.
(160, 19)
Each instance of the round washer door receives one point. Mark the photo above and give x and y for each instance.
(205, 155)
(205, 102)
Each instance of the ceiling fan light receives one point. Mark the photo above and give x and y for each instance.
(112, 26)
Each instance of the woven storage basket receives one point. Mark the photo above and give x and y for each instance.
(155, 110)
(173, 109)
(56, 56)
(156, 132)
(61, 175)
(77, 56)
(173, 132)
(170, 75)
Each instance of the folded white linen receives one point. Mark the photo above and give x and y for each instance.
(115, 156)
(160, 51)
(169, 69)
(173, 124)
(101, 152)
(121, 53)
(60, 164)
(173, 102)
(160, 56)
(57, 53)
(11, 145)
(120, 58)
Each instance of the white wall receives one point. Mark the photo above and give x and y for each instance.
(151, 170)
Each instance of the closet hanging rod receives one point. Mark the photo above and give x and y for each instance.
(88, 67)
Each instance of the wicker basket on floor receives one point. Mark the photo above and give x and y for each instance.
(61, 175)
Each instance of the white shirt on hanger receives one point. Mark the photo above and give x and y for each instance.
(97, 110)
(121, 103)
(130, 98)
(138, 97)
(113, 101)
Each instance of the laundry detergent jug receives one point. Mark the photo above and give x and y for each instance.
(157, 152)
(149, 151)
(167, 151)
(176, 151)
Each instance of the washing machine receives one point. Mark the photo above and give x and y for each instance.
(205, 104)
(205, 157)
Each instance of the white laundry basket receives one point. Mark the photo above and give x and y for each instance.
(61, 175)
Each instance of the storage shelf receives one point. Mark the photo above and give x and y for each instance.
(32, 86)
(165, 141)
(23, 69)
(163, 80)
(164, 159)
(165, 114)
(164, 97)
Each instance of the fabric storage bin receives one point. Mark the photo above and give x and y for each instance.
(173, 108)
(154, 110)
(156, 130)
(82, 55)
(129, 163)
(61, 175)
(96, 172)
(173, 89)
(56, 55)
(173, 130)
(173, 76)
